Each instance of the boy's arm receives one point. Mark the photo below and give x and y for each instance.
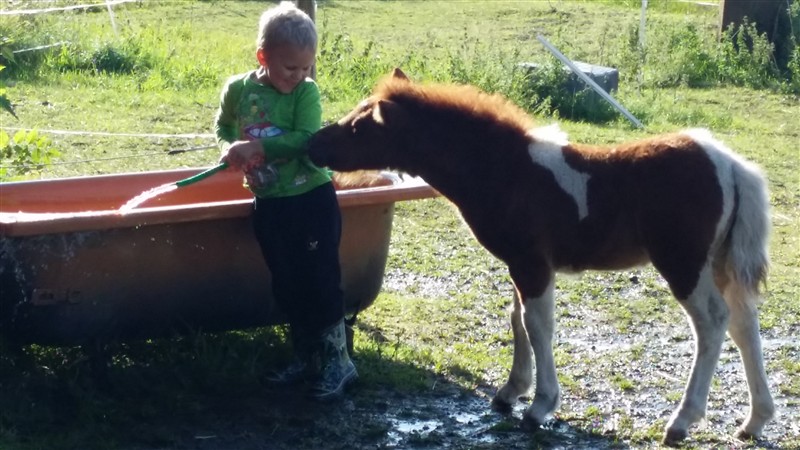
(226, 125)
(307, 120)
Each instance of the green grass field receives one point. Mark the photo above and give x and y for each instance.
(623, 343)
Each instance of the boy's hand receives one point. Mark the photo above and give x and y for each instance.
(243, 154)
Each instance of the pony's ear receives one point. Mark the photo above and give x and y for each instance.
(398, 74)
(386, 112)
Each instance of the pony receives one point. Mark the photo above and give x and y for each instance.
(684, 202)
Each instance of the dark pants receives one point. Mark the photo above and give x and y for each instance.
(299, 237)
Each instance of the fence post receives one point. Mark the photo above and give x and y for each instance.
(309, 7)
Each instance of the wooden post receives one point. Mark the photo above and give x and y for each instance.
(769, 16)
(309, 7)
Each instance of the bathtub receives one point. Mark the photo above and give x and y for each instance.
(74, 270)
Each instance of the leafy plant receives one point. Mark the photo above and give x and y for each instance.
(25, 152)
(8, 55)
(556, 91)
(745, 58)
(793, 65)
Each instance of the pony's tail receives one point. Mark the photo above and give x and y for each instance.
(748, 260)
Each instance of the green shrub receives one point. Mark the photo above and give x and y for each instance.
(349, 72)
(745, 58)
(793, 66)
(551, 89)
(7, 54)
(123, 57)
(26, 152)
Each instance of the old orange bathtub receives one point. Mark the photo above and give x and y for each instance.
(73, 269)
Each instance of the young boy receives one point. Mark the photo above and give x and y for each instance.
(265, 118)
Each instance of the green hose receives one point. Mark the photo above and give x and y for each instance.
(201, 175)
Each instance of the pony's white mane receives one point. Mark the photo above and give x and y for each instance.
(549, 133)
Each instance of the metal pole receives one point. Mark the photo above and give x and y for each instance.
(588, 81)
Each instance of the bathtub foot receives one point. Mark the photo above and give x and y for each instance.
(349, 332)
(99, 358)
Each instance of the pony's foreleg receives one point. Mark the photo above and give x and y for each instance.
(521, 377)
(540, 323)
(744, 330)
(708, 315)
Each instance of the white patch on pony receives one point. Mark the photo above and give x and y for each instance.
(376, 114)
(550, 133)
(737, 176)
(722, 157)
(546, 151)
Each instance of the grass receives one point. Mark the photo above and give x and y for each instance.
(443, 313)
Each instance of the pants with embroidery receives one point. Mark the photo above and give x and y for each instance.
(299, 238)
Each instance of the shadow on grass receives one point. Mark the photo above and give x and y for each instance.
(203, 392)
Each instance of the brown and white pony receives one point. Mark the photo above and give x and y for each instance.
(684, 202)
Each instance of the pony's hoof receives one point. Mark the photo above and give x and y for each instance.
(745, 436)
(501, 406)
(530, 424)
(673, 438)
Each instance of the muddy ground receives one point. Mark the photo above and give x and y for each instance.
(447, 417)
(598, 410)
(596, 414)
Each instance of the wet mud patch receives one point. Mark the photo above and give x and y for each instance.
(448, 417)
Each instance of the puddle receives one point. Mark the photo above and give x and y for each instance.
(402, 429)
(465, 418)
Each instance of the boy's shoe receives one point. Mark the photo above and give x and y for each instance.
(336, 368)
(298, 371)
(301, 368)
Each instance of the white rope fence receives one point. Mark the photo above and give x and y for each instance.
(109, 134)
(22, 12)
(173, 151)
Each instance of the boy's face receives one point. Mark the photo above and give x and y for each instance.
(286, 66)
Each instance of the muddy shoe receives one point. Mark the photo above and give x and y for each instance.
(336, 368)
(301, 368)
(298, 371)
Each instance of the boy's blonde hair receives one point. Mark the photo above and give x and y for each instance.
(286, 24)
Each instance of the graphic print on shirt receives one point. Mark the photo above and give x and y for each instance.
(256, 122)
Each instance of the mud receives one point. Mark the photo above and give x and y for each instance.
(596, 411)
(594, 415)
(444, 418)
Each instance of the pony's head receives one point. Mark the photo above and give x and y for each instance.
(365, 138)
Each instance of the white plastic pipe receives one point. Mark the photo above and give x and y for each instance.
(589, 81)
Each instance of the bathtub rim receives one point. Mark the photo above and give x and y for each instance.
(20, 224)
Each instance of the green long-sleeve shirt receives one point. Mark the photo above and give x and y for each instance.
(283, 123)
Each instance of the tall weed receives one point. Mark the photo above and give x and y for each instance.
(793, 66)
(690, 56)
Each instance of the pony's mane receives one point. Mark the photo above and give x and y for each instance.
(466, 99)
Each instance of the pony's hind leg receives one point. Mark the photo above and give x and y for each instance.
(521, 377)
(708, 315)
(743, 328)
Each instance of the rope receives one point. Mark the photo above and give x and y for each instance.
(41, 47)
(20, 12)
(109, 158)
(104, 133)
